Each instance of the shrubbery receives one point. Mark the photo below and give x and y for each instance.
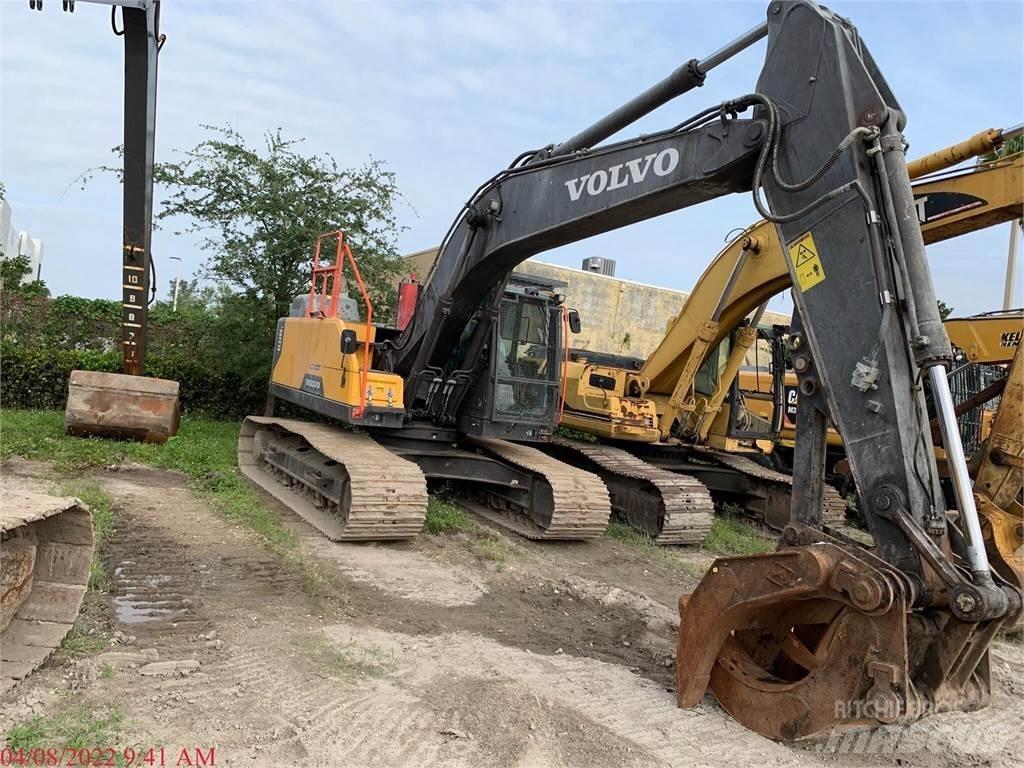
(43, 340)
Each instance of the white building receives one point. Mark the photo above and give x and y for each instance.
(8, 234)
(15, 243)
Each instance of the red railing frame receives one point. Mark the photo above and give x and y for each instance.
(334, 274)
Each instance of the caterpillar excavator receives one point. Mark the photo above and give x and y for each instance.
(684, 411)
(999, 468)
(779, 638)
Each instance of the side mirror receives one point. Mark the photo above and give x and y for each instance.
(574, 321)
(348, 342)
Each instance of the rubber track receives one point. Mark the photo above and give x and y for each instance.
(834, 511)
(389, 494)
(689, 509)
(582, 506)
(44, 570)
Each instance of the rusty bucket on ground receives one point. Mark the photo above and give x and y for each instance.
(120, 406)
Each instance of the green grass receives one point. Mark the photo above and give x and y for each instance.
(669, 556)
(732, 536)
(81, 727)
(444, 517)
(347, 660)
(493, 548)
(203, 449)
(78, 642)
(728, 536)
(575, 434)
(622, 532)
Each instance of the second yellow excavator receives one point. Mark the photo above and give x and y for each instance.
(988, 387)
(672, 411)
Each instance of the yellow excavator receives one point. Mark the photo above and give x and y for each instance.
(988, 391)
(674, 410)
(999, 473)
(987, 339)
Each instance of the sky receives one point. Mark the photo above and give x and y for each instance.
(448, 93)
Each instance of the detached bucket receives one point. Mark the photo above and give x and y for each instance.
(120, 406)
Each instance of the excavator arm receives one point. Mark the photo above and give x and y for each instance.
(553, 201)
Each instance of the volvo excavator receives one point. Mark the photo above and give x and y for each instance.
(778, 638)
(682, 410)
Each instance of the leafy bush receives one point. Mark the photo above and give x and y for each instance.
(38, 378)
(221, 364)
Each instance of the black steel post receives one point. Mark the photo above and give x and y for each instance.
(140, 65)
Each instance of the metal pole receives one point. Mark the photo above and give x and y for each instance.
(686, 77)
(726, 52)
(177, 281)
(976, 556)
(1011, 264)
(140, 64)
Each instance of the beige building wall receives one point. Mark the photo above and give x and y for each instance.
(618, 316)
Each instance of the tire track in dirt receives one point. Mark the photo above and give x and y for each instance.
(460, 685)
(629, 709)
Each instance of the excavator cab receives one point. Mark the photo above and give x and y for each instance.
(518, 395)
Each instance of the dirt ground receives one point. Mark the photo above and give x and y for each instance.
(421, 654)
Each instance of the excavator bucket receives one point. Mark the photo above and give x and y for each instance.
(817, 637)
(123, 407)
(46, 546)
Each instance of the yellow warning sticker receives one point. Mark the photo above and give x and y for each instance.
(803, 254)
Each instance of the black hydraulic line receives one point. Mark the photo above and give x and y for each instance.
(685, 78)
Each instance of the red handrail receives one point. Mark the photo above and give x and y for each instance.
(333, 274)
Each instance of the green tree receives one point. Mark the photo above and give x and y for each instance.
(1009, 147)
(258, 211)
(193, 296)
(944, 309)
